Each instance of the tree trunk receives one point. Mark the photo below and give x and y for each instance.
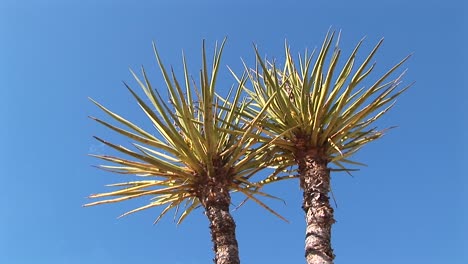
(315, 181)
(223, 228)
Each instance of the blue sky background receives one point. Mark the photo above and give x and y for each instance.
(407, 206)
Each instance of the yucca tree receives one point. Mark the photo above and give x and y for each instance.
(322, 114)
(202, 151)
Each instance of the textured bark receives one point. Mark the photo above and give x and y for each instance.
(315, 181)
(223, 229)
(216, 200)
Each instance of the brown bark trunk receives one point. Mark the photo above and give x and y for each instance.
(216, 201)
(315, 181)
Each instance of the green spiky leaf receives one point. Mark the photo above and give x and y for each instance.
(192, 142)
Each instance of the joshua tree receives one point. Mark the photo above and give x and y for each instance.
(203, 152)
(321, 115)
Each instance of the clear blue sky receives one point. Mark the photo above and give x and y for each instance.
(407, 206)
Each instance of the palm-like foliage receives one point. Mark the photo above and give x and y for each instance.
(321, 113)
(203, 150)
(333, 114)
